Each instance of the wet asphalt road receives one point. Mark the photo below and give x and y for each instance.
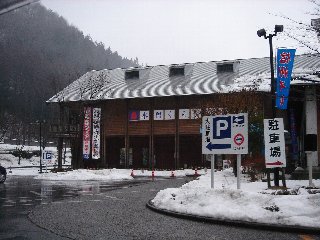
(31, 209)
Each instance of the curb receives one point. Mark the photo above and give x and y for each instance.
(255, 225)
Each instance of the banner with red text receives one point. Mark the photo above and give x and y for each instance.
(86, 133)
(285, 58)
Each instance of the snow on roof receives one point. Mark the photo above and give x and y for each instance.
(198, 79)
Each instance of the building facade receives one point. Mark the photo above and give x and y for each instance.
(151, 116)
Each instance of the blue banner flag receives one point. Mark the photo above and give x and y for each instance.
(285, 58)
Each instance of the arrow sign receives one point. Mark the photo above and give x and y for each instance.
(238, 119)
(211, 146)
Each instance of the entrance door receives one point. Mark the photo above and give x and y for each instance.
(114, 153)
(164, 152)
(140, 151)
(190, 151)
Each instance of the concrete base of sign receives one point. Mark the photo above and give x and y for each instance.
(303, 174)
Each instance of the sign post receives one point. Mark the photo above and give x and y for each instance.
(238, 170)
(47, 156)
(212, 171)
(225, 134)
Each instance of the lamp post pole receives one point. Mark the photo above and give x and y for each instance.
(272, 76)
(276, 170)
(40, 143)
(260, 33)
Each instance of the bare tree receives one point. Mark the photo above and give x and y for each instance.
(307, 35)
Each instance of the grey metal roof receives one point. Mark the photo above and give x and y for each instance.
(199, 78)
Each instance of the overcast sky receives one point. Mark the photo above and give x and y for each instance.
(181, 31)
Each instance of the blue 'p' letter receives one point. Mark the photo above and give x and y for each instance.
(221, 127)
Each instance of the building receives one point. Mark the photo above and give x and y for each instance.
(151, 116)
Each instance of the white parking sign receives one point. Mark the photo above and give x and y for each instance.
(225, 134)
(46, 155)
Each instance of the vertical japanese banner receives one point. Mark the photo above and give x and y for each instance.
(274, 143)
(285, 58)
(86, 133)
(96, 116)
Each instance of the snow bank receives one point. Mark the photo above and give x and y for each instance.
(253, 203)
(84, 175)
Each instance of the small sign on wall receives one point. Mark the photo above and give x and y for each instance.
(144, 115)
(195, 113)
(158, 115)
(134, 115)
(169, 114)
(184, 113)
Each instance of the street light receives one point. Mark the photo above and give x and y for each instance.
(262, 33)
(40, 141)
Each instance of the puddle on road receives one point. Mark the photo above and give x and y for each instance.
(18, 194)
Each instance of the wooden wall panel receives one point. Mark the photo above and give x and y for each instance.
(192, 101)
(139, 104)
(189, 126)
(114, 117)
(164, 127)
(139, 128)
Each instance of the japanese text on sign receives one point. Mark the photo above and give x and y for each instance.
(96, 133)
(86, 132)
(274, 143)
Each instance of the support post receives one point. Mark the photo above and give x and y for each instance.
(238, 170)
(268, 177)
(309, 159)
(212, 170)
(151, 141)
(40, 144)
(177, 136)
(284, 177)
(60, 147)
(126, 137)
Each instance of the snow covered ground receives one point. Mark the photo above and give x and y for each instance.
(253, 203)
(8, 160)
(31, 167)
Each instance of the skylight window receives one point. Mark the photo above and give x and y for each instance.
(228, 67)
(176, 71)
(132, 74)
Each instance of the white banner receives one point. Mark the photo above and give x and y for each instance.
(96, 117)
(274, 143)
(86, 133)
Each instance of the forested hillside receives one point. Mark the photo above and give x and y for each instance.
(40, 54)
